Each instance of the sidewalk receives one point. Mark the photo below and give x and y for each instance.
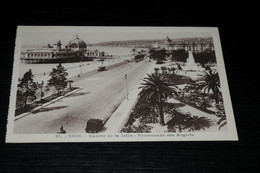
(120, 117)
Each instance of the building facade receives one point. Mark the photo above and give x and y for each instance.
(74, 51)
(200, 45)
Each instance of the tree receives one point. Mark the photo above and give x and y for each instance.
(134, 50)
(156, 89)
(158, 54)
(47, 89)
(58, 78)
(26, 89)
(171, 70)
(222, 115)
(177, 121)
(205, 57)
(164, 69)
(179, 55)
(70, 82)
(210, 82)
(28, 76)
(40, 85)
(144, 112)
(156, 70)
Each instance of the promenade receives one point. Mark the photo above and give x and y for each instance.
(120, 117)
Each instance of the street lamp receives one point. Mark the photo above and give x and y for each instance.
(40, 85)
(126, 86)
(80, 68)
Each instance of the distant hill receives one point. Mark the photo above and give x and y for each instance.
(145, 43)
(129, 43)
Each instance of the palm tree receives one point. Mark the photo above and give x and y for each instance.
(164, 69)
(145, 112)
(222, 122)
(210, 82)
(172, 70)
(156, 89)
(156, 70)
(178, 120)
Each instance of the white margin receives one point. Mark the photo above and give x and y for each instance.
(229, 135)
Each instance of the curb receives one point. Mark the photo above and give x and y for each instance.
(45, 104)
(121, 114)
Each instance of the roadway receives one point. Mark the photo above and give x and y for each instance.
(102, 93)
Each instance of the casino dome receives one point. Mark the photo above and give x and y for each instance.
(77, 43)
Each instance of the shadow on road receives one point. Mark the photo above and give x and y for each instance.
(46, 109)
(78, 94)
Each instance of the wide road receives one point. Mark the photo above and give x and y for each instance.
(102, 93)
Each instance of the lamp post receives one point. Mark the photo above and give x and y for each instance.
(126, 87)
(80, 66)
(41, 86)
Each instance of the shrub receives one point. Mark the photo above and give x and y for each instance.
(159, 62)
(140, 128)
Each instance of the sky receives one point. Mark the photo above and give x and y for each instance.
(43, 37)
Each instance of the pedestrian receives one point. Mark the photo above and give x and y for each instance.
(62, 131)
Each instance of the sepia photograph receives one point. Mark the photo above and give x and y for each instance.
(108, 84)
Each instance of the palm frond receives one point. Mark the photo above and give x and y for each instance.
(223, 124)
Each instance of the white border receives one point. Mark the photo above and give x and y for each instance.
(229, 135)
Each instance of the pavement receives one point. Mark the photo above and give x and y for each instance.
(121, 115)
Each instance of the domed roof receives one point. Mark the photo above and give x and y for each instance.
(77, 43)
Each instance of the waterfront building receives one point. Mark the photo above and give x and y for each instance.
(199, 45)
(74, 51)
(95, 53)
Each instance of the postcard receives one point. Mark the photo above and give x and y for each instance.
(111, 84)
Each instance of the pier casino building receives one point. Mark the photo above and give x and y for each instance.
(74, 51)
